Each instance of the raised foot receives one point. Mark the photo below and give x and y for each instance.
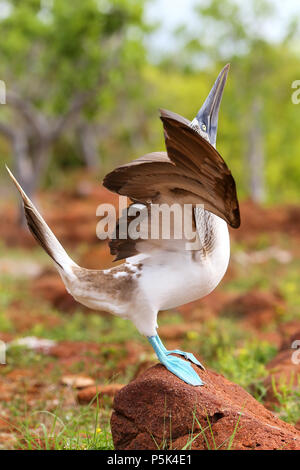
(181, 369)
(187, 355)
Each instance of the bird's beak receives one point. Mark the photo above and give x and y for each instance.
(208, 114)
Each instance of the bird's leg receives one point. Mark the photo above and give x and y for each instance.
(187, 355)
(177, 366)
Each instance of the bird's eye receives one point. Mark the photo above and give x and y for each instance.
(203, 127)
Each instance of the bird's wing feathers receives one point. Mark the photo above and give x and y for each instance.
(190, 152)
(192, 172)
(151, 233)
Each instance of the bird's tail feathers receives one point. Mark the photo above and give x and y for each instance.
(42, 233)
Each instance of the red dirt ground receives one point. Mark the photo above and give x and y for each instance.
(72, 217)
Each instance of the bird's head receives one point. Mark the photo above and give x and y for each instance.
(206, 121)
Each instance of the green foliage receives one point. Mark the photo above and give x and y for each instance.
(288, 397)
(52, 52)
(66, 430)
(246, 365)
(262, 70)
(289, 288)
(68, 47)
(22, 357)
(67, 63)
(228, 349)
(87, 327)
(221, 334)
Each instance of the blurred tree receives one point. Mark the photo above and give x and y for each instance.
(62, 62)
(263, 69)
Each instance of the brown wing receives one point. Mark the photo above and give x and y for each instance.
(190, 152)
(151, 238)
(121, 248)
(192, 172)
(121, 244)
(143, 179)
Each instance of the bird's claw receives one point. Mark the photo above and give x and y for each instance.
(179, 367)
(188, 356)
(182, 369)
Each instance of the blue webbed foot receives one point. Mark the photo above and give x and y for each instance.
(187, 355)
(177, 366)
(182, 369)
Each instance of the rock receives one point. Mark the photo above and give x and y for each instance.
(143, 366)
(88, 394)
(77, 381)
(158, 408)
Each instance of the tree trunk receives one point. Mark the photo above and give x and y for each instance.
(23, 168)
(255, 154)
(88, 146)
(29, 171)
(34, 134)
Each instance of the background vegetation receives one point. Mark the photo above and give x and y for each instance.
(83, 90)
(84, 84)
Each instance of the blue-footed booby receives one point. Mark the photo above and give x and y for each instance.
(158, 273)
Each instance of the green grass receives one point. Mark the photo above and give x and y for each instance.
(289, 289)
(231, 351)
(39, 426)
(20, 357)
(288, 397)
(65, 430)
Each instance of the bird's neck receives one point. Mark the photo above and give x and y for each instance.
(214, 237)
